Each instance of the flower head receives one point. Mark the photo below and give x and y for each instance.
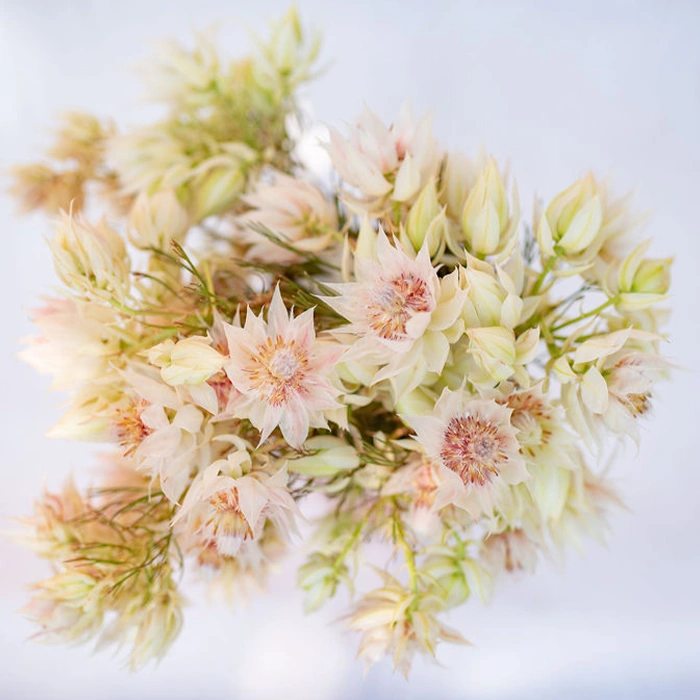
(475, 443)
(227, 508)
(401, 311)
(383, 162)
(283, 373)
(292, 209)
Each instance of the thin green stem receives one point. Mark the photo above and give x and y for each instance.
(548, 267)
(582, 317)
(408, 553)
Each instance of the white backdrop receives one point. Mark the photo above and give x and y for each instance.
(557, 88)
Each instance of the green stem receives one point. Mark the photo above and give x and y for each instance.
(582, 317)
(549, 265)
(349, 544)
(408, 554)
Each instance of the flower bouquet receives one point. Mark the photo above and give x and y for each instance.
(383, 360)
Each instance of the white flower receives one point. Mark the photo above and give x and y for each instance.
(75, 342)
(292, 209)
(157, 219)
(475, 444)
(545, 445)
(394, 621)
(227, 508)
(90, 259)
(420, 480)
(612, 384)
(403, 314)
(173, 438)
(375, 156)
(511, 550)
(283, 373)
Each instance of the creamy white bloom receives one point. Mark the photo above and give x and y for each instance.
(611, 384)
(402, 314)
(173, 434)
(157, 219)
(383, 162)
(395, 622)
(510, 551)
(75, 344)
(420, 480)
(475, 445)
(292, 209)
(191, 360)
(90, 259)
(226, 508)
(282, 371)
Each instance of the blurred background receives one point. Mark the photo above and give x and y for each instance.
(554, 87)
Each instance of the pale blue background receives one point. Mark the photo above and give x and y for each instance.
(558, 87)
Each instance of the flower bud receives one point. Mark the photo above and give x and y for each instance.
(217, 190)
(458, 178)
(491, 298)
(327, 456)
(157, 219)
(90, 259)
(641, 282)
(189, 361)
(573, 220)
(426, 221)
(486, 219)
(319, 579)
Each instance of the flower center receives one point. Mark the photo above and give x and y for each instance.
(131, 430)
(279, 370)
(533, 418)
(393, 302)
(228, 519)
(637, 404)
(473, 449)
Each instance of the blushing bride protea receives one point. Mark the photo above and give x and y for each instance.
(392, 341)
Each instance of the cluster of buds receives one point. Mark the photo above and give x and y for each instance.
(398, 343)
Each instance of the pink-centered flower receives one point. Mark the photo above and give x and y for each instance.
(226, 509)
(283, 373)
(475, 445)
(399, 309)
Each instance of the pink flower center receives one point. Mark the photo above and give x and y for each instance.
(228, 519)
(532, 417)
(473, 449)
(393, 302)
(130, 429)
(279, 370)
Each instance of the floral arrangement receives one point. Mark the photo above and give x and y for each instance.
(391, 344)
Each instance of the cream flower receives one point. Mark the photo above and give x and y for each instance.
(385, 162)
(475, 444)
(75, 344)
(226, 508)
(394, 621)
(90, 259)
(545, 445)
(612, 384)
(404, 315)
(420, 480)
(283, 373)
(511, 550)
(294, 210)
(171, 436)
